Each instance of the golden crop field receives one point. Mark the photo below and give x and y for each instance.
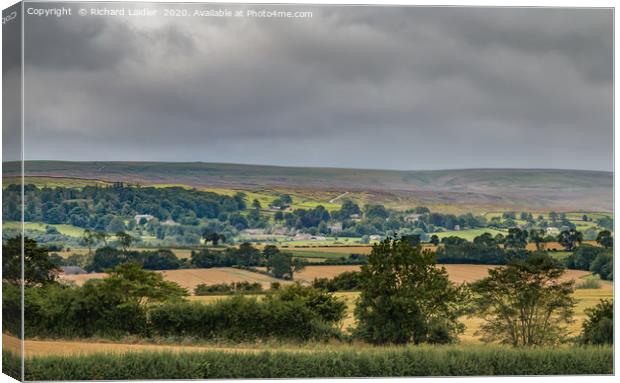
(190, 278)
(344, 250)
(78, 347)
(456, 273)
(365, 250)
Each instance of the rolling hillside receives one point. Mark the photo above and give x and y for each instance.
(532, 189)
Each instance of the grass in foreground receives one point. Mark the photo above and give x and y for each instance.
(405, 361)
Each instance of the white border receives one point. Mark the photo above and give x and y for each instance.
(482, 3)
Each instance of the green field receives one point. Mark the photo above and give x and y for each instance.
(354, 362)
(52, 182)
(470, 234)
(69, 230)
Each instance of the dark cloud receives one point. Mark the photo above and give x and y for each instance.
(377, 87)
(11, 83)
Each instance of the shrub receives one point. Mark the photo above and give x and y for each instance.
(603, 265)
(598, 328)
(347, 281)
(109, 257)
(111, 307)
(589, 283)
(60, 311)
(582, 257)
(225, 288)
(11, 308)
(293, 312)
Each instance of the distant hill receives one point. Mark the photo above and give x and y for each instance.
(533, 189)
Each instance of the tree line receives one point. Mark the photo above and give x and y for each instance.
(404, 298)
(176, 215)
(483, 249)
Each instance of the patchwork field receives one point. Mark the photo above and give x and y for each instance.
(190, 278)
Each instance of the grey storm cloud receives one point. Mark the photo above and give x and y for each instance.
(365, 87)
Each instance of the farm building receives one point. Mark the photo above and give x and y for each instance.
(412, 217)
(139, 217)
(279, 231)
(335, 227)
(552, 231)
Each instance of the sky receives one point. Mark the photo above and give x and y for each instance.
(362, 87)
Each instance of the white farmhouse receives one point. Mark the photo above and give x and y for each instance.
(139, 217)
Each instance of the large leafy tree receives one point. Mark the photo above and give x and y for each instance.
(124, 240)
(598, 328)
(570, 239)
(347, 209)
(605, 239)
(406, 298)
(245, 255)
(38, 267)
(516, 238)
(131, 284)
(213, 237)
(283, 265)
(525, 303)
(537, 236)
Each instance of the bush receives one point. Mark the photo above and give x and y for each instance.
(293, 312)
(598, 260)
(109, 257)
(225, 288)
(11, 308)
(603, 265)
(111, 307)
(589, 283)
(461, 251)
(403, 362)
(59, 311)
(598, 328)
(582, 257)
(347, 281)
